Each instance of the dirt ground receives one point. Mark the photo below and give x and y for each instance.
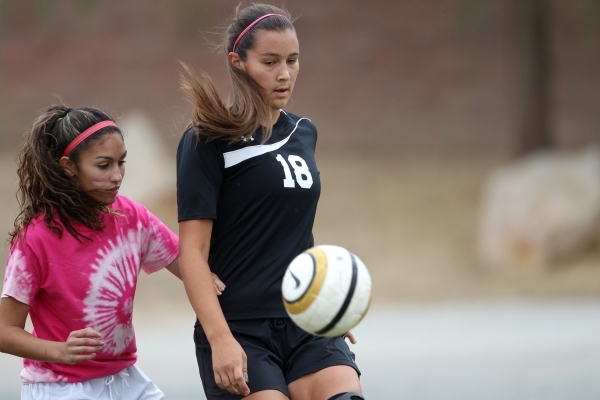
(413, 221)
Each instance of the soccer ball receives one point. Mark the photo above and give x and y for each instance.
(326, 290)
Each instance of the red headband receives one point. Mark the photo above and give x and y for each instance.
(252, 24)
(85, 134)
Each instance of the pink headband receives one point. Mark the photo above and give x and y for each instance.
(85, 134)
(252, 24)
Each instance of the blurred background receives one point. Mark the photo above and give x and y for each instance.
(458, 156)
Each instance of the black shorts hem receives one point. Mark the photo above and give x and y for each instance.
(318, 367)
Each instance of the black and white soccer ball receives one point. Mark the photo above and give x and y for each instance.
(326, 290)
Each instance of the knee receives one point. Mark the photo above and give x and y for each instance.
(347, 396)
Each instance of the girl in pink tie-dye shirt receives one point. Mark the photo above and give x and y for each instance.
(74, 259)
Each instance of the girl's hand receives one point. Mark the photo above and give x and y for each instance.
(350, 337)
(81, 345)
(219, 285)
(230, 366)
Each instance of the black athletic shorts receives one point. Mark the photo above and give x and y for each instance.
(278, 353)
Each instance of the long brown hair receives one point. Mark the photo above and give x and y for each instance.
(44, 187)
(212, 117)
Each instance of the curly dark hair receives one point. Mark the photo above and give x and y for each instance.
(44, 186)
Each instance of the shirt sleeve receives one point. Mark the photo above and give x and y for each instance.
(22, 277)
(199, 176)
(161, 246)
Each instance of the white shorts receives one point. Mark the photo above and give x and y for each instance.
(131, 383)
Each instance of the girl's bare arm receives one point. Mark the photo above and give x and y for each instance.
(229, 359)
(81, 345)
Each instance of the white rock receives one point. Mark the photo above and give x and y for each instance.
(540, 209)
(150, 164)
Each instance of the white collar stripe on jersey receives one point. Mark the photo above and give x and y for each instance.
(237, 156)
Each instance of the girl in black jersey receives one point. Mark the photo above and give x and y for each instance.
(247, 193)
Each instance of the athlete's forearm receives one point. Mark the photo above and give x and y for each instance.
(20, 343)
(81, 345)
(15, 340)
(229, 359)
(194, 249)
(199, 286)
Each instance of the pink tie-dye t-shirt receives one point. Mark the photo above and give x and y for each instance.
(70, 285)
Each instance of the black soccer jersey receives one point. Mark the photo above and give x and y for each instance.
(263, 200)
